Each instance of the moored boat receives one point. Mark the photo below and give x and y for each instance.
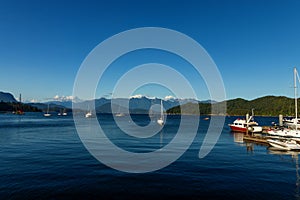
(293, 124)
(245, 125)
(286, 145)
(284, 132)
(241, 125)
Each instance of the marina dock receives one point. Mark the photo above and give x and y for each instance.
(256, 139)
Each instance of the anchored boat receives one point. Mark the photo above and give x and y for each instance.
(160, 121)
(245, 125)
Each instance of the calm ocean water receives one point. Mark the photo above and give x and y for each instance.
(44, 158)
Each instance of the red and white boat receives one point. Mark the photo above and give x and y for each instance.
(242, 125)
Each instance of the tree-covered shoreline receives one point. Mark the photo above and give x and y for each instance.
(263, 106)
(16, 106)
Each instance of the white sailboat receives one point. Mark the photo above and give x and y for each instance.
(47, 114)
(89, 113)
(65, 113)
(119, 113)
(62, 113)
(292, 131)
(160, 121)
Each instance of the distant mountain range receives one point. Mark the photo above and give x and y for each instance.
(139, 105)
(264, 106)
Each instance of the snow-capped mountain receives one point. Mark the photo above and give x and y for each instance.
(136, 104)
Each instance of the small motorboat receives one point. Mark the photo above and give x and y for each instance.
(245, 125)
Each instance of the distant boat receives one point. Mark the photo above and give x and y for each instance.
(64, 113)
(19, 110)
(47, 114)
(160, 121)
(119, 114)
(243, 125)
(89, 113)
(286, 145)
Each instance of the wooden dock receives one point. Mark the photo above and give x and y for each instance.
(257, 139)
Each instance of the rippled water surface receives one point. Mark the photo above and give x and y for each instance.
(44, 158)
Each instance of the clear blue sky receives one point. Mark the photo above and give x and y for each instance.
(255, 44)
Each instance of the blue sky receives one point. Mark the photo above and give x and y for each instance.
(255, 44)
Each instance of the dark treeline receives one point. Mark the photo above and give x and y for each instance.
(264, 106)
(11, 107)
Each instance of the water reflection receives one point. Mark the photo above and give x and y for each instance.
(295, 159)
(250, 147)
(289, 156)
(161, 138)
(238, 137)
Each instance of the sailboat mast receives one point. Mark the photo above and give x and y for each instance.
(161, 109)
(295, 91)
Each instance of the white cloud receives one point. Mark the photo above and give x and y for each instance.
(169, 97)
(70, 98)
(137, 96)
(151, 97)
(65, 98)
(33, 101)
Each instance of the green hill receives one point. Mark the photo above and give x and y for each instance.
(12, 106)
(264, 106)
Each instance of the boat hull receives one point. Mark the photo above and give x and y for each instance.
(277, 146)
(238, 129)
(253, 129)
(88, 115)
(160, 122)
(287, 146)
